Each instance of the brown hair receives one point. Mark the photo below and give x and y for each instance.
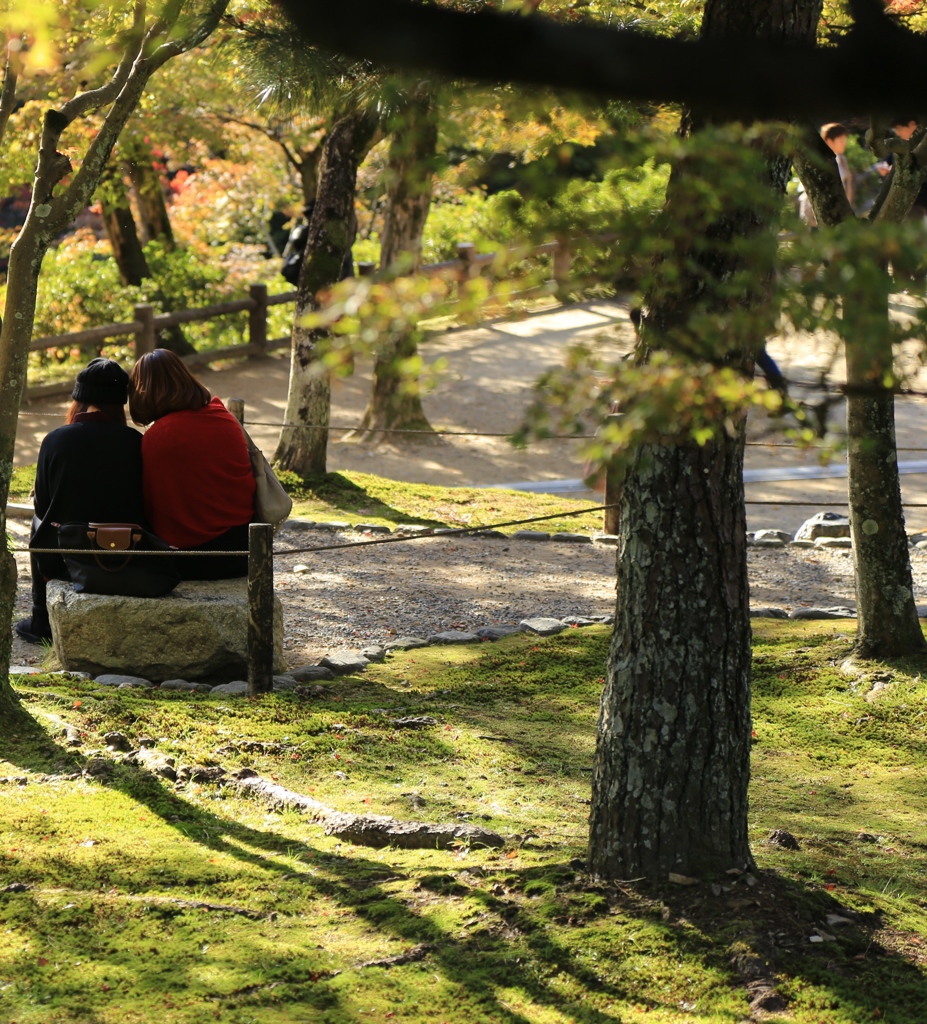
(160, 384)
(111, 410)
(829, 132)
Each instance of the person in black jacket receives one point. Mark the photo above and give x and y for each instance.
(89, 470)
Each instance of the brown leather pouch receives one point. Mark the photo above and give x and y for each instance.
(114, 536)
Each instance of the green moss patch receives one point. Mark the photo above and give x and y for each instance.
(129, 898)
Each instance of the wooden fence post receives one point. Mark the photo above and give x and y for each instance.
(145, 340)
(260, 608)
(614, 484)
(236, 406)
(466, 253)
(257, 318)
(561, 263)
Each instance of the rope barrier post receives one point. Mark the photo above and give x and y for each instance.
(260, 608)
(236, 406)
(145, 339)
(257, 318)
(614, 484)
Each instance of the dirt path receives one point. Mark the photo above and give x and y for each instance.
(488, 382)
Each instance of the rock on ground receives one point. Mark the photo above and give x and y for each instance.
(198, 632)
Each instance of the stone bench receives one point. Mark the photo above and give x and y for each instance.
(197, 632)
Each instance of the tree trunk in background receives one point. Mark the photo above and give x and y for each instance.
(121, 230)
(303, 443)
(887, 613)
(146, 183)
(122, 233)
(307, 167)
(672, 758)
(886, 609)
(396, 402)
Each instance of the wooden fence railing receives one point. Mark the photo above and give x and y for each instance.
(146, 323)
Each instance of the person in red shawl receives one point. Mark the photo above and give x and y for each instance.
(196, 475)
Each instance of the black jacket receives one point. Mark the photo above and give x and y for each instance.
(88, 471)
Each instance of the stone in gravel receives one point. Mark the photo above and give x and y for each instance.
(24, 670)
(497, 632)
(489, 534)
(117, 741)
(344, 663)
(530, 535)
(301, 567)
(542, 625)
(922, 611)
(768, 612)
(309, 673)
(606, 620)
(298, 526)
(414, 528)
(772, 535)
(801, 544)
(833, 542)
(285, 682)
(822, 613)
(185, 685)
(918, 537)
(453, 636)
(572, 538)
(783, 839)
(579, 620)
(236, 686)
(333, 526)
(772, 542)
(609, 540)
(414, 722)
(371, 528)
(921, 544)
(109, 679)
(405, 643)
(824, 524)
(375, 653)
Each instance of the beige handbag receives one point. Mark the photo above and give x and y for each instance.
(271, 502)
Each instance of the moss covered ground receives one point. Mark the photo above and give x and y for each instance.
(127, 898)
(366, 498)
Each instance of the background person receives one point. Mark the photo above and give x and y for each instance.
(89, 470)
(196, 474)
(836, 136)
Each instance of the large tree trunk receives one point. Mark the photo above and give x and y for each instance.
(395, 401)
(886, 609)
(303, 440)
(53, 206)
(672, 759)
(122, 233)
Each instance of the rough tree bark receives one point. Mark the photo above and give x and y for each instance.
(303, 443)
(672, 758)
(394, 401)
(52, 208)
(888, 624)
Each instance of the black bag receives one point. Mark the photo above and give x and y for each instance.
(124, 575)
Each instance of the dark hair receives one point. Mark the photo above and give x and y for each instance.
(160, 384)
(829, 132)
(112, 410)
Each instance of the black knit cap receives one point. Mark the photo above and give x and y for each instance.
(101, 382)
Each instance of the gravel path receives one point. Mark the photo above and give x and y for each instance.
(354, 597)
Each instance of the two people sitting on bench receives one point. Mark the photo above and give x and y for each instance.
(188, 477)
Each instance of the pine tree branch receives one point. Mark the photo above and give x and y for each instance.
(747, 78)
